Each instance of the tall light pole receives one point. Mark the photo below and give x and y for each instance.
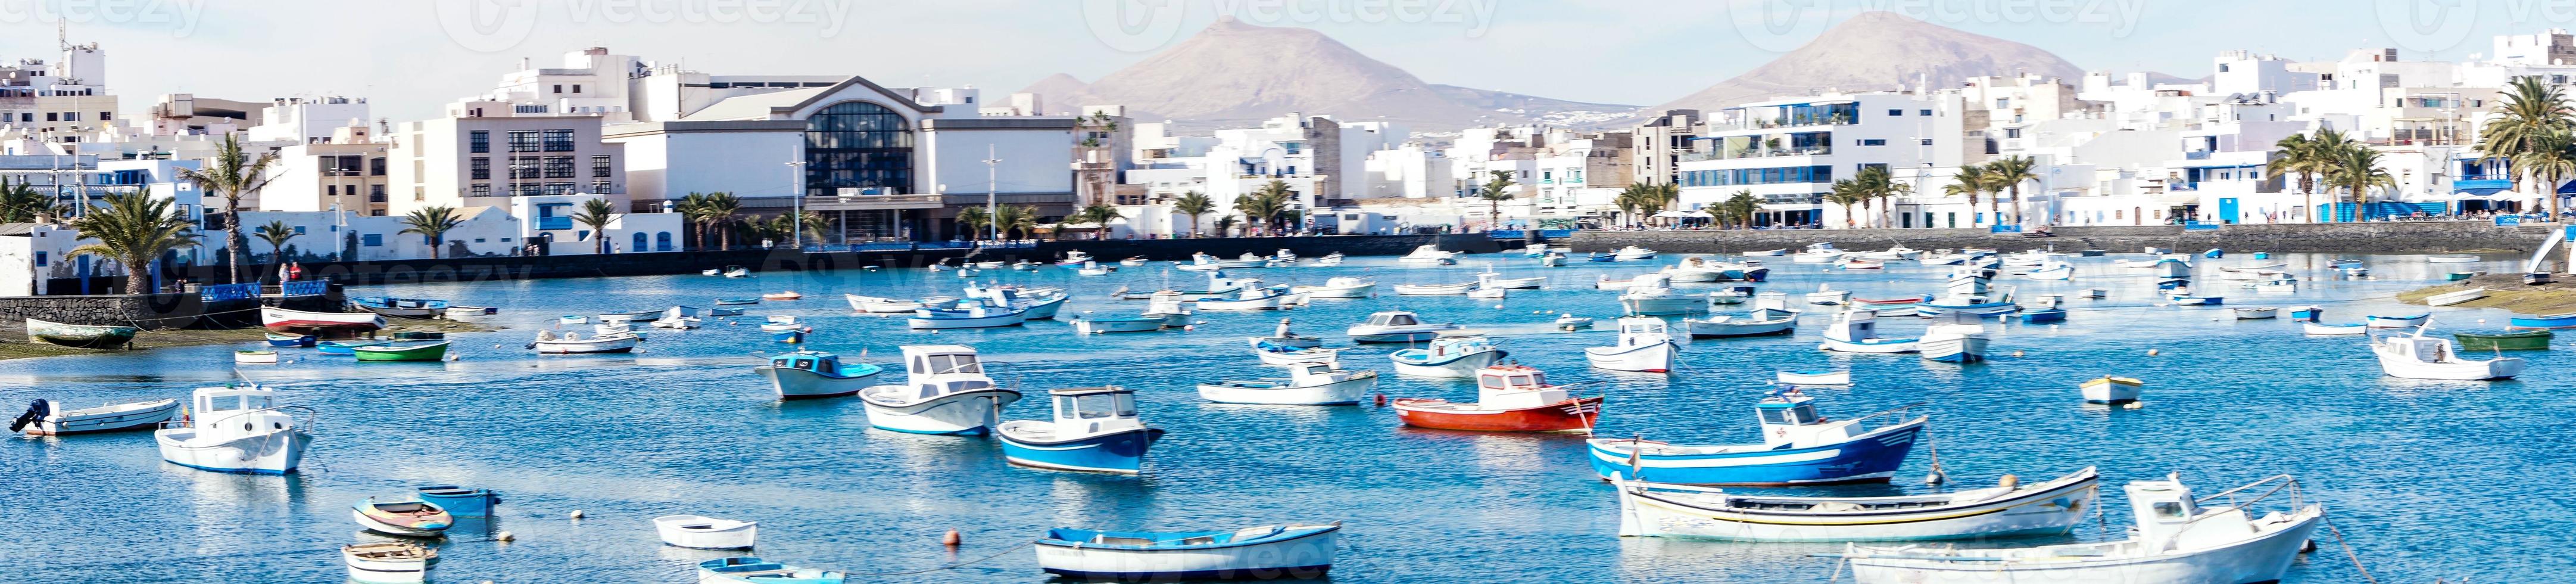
(992, 189)
(796, 201)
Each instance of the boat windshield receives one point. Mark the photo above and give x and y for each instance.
(948, 363)
(1797, 415)
(1396, 319)
(1101, 405)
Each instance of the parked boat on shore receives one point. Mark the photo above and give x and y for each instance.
(325, 324)
(80, 335)
(2450, 298)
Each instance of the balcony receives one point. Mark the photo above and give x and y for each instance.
(2481, 182)
(1722, 154)
(551, 223)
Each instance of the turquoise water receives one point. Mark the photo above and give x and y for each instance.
(2426, 479)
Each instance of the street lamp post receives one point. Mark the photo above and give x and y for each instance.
(796, 202)
(992, 189)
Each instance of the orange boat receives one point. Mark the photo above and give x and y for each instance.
(1509, 398)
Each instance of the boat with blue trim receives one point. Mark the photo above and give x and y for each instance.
(461, 501)
(812, 374)
(237, 429)
(753, 570)
(1856, 331)
(1095, 430)
(2008, 509)
(976, 316)
(1455, 356)
(945, 391)
(2546, 321)
(408, 518)
(403, 307)
(1268, 552)
(286, 340)
(1799, 447)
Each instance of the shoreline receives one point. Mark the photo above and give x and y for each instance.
(173, 338)
(2505, 292)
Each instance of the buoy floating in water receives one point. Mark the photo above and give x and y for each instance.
(2016, 352)
(952, 539)
(505, 536)
(2151, 352)
(1935, 477)
(576, 513)
(1381, 400)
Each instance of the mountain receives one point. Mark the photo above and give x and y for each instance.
(1234, 74)
(1879, 51)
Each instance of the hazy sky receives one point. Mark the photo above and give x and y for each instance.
(409, 56)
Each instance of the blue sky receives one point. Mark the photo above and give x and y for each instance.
(409, 56)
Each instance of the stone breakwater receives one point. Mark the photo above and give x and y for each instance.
(2385, 237)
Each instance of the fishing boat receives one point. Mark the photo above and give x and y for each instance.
(460, 501)
(2277, 286)
(790, 336)
(1767, 253)
(1729, 296)
(1826, 295)
(1251, 297)
(346, 347)
(2384, 322)
(41, 419)
(2546, 321)
(402, 307)
(2053, 270)
(1134, 262)
(1495, 280)
(782, 295)
(2261, 272)
(2450, 298)
(1799, 447)
(1330, 259)
(2153, 250)
(2093, 293)
(1645, 345)
(408, 518)
(945, 391)
(1759, 322)
(1569, 322)
(1819, 253)
(976, 316)
(737, 272)
(238, 430)
(1552, 260)
(2175, 540)
(629, 316)
(1605, 282)
(2171, 267)
(2452, 259)
(2111, 390)
(1339, 287)
(388, 562)
(281, 340)
(1449, 356)
(2256, 313)
(1509, 398)
(2008, 509)
(1433, 289)
(1861, 264)
(1953, 343)
(736, 301)
(79, 335)
(753, 570)
(571, 343)
(1307, 384)
(781, 322)
(2044, 315)
(1633, 253)
(319, 323)
(251, 356)
(715, 312)
(1652, 299)
(2529, 340)
(572, 320)
(1095, 430)
(969, 272)
(2416, 356)
(1842, 377)
(1396, 326)
(1856, 331)
(706, 533)
(1893, 253)
(1429, 254)
(814, 374)
(1268, 552)
(1073, 258)
(2192, 300)
(1285, 356)
(1247, 260)
(987, 264)
(1094, 269)
(2318, 328)
(678, 318)
(1092, 325)
(1976, 304)
(401, 352)
(419, 336)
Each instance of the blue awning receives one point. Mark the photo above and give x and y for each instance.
(2477, 192)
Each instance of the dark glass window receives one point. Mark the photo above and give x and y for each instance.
(482, 168)
(558, 167)
(558, 140)
(857, 144)
(599, 166)
(523, 140)
(482, 141)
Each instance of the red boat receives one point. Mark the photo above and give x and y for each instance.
(335, 323)
(1509, 398)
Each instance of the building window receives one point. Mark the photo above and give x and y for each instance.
(1873, 142)
(559, 167)
(558, 140)
(106, 116)
(480, 168)
(598, 186)
(481, 141)
(372, 240)
(71, 116)
(639, 243)
(40, 259)
(420, 193)
(376, 212)
(1924, 112)
(53, 117)
(599, 166)
(299, 230)
(523, 140)
(375, 167)
(330, 190)
(482, 189)
(375, 193)
(1927, 141)
(558, 88)
(576, 88)
(1895, 113)
(857, 144)
(525, 166)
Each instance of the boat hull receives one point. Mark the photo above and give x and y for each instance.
(967, 412)
(2265, 558)
(1565, 416)
(1649, 358)
(703, 533)
(802, 384)
(278, 452)
(1303, 557)
(2554, 321)
(1705, 329)
(1118, 325)
(1359, 291)
(2109, 392)
(379, 525)
(1328, 357)
(289, 321)
(1868, 458)
(2522, 341)
(80, 336)
(1664, 306)
(1968, 349)
(145, 415)
(2038, 512)
(1012, 319)
(612, 344)
(1117, 452)
(1454, 367)
(1877, 346)
(1339, 393)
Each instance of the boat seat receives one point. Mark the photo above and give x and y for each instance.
(1113, 540)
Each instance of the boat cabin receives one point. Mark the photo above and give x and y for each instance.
(1460, 345)
(1086, 410)
(2166, 511)
(1855, 323)
(1773, 300)
(1789, 417)
(1640, 330)
(921, 361)
(236, 406)
(1394, 318)
(817, 362)
(2420, 348)
(1513, 387)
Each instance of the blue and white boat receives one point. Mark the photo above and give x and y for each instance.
(977, 316)
(1799, 447)
(1268, 552)
(2310, 314)
(790, 336)
(403, 307)
(2214, 253)
(2043, 315)
(238, 430)
(2380, 321)
(461, 501)
(1095, 430)
(2172, 267)
(346, 347)
(1856, 331)
(1396, 326)
(2190, 300)
(286, 340)
(2546, 321)
(813, 374)
(753, 570)
(1977, 304)
(1449, 357)
(945, 391)
(1603, 257)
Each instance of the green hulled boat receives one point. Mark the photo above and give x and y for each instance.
(79, 335)
(393, 352)
(2506, 341)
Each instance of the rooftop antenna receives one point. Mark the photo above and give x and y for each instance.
(63, 33)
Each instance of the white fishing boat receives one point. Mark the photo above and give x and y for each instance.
(706, 533)
(945, 391)
(876, 305)
(1481, 293)
(1766, 253)
(567, 343)
(2277, 286)
(736, 272)
(1246, 261)
(1134, 262)
(987, 265)
(1861, 264)
(2256, 312)
(2318, 328)
(978, 315)
(1284, 255)
(1762, 321)
(1606, 283)
(1284, 356)
(2250, 273)
(1953, 343)
(2175, 540)
(1826, 295)
(1492, 279)
(1073, 258)
(2450, 298)
(1094, 269)
(1570, 322)
(1646, 295)
(391, 562)
(2390, 322)
(1251, 297)
(2008, 509)
(1339, 287)
(1433, 289)
(678, 317)
(2111, 390)
(1429, 254)
(408, 518)
(1819, 253)
(1632, 253)
(1552, 260)
(1856, 331)
(781, 323)
(1842, 377)
(1456, 356)
(2415, 356)
(237, 429)
(2093, 293)
(1090, 325)
(1307, 384)
(1292, 551)
(301, 321)
(1396, 326)
(1730, 296)
(42, 419)
(815, 374)
(2052, 270)
(2452, 259)
(1329, 260)
(1645, 345)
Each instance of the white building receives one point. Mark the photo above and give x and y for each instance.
(1789, 152)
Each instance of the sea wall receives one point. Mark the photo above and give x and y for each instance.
(149, 311)
(2383, 237)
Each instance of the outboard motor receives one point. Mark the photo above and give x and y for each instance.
(36, 410)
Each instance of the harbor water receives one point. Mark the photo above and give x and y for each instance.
(2424, 480)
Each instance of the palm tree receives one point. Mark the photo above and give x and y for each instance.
(2307, 158)
(1194, 204)
(2549, 158)
(1494, 193)
(20, 203)
(276, 233)
(1628, 199)
(2531, 108)
(1264, 205)
(815, 225)
(1100, 214)
(231, 174)
(971, 218)
(134, 229)
(432, 223)
(1224, 224)
(2357, 169)
(597, 214)
(1741, 207)
(2008, 174)
(775, 230)
(1882, 187)
(1847, 193)
(1020, 220)
(693, 209)
(719, 210)
(1970, 181)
